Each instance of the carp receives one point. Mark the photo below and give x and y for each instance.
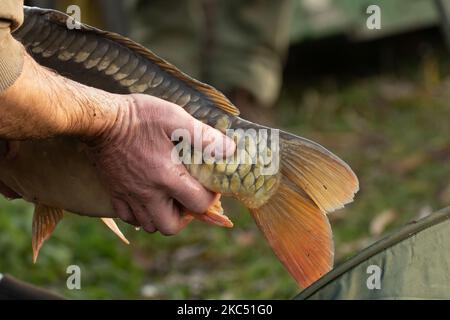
(289, 185)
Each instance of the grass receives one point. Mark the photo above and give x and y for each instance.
(392, 129)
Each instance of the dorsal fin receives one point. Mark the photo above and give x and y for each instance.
(217, 97)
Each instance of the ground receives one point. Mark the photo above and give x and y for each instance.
(391, 127)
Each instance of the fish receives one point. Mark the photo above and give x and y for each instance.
(289, 186)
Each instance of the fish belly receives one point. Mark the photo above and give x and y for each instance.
(56, 173)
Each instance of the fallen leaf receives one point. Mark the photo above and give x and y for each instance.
(425, 211)
(381, 221)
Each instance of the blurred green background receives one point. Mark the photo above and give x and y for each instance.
(382, 105)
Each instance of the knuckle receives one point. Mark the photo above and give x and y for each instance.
(145, 219)
(154, 110)
(148, 227)
(126, 217)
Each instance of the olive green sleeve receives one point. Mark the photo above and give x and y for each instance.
(11, 51)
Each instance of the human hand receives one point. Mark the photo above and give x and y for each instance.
(133, 159)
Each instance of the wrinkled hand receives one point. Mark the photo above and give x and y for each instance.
(133, 158)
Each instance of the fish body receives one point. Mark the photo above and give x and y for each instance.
(288, 183)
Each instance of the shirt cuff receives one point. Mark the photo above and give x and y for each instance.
(11, 61)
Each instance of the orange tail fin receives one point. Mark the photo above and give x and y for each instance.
(299, 234)
(313, 182)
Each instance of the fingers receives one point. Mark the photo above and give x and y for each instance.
(167, 216)
(144, 217)
(222, 145)
(187, 190)
(124, 212)
(160, 213)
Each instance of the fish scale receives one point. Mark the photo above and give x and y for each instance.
(288, 204)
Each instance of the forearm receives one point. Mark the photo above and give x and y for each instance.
(42, 104)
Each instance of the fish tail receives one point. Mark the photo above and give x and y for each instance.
(313, 182)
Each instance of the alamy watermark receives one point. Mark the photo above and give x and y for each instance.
(74, 19)
(373, 22)
(373, 281)
(74, 279)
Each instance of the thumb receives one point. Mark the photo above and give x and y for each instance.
(201, 134)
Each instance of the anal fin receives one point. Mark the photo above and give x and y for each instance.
(45, 220)
(111, 224)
